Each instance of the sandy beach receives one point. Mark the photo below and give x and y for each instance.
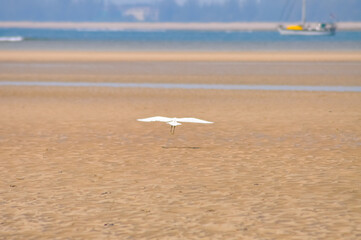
(75, 163)
(94, 56)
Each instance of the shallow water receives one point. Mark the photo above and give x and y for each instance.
(189, 86)
(102, 40)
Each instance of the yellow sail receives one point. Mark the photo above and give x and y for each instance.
(295, 27)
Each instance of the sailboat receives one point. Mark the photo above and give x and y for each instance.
(310, 29)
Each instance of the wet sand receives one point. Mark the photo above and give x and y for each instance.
(75, 163)
(95, 56)
(292, 72)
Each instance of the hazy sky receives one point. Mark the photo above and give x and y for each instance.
(248, 10)
(150, 1)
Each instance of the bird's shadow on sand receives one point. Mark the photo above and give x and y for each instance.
(166, 147)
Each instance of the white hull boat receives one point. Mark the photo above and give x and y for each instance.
(307, 29)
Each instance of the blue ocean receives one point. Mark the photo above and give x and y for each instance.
(105, 40)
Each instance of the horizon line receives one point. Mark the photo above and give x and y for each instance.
(212, 26)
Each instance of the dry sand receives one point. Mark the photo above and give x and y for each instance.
(75, 163)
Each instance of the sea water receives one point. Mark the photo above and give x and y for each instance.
(170, 40)
(188, 86)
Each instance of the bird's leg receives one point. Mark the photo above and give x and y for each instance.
(173, 130)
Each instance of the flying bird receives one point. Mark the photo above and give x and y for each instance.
(173, 122)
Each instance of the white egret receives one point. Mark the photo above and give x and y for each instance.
(173, 122)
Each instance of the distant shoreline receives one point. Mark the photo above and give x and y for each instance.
(118, 26)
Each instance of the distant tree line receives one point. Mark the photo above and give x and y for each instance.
(170, 11)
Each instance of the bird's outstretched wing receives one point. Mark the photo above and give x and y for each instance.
(153, 119)
(192, 120)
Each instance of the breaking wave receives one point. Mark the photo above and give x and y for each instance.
(11, 39)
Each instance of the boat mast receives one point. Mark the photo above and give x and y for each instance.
(303, 12)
